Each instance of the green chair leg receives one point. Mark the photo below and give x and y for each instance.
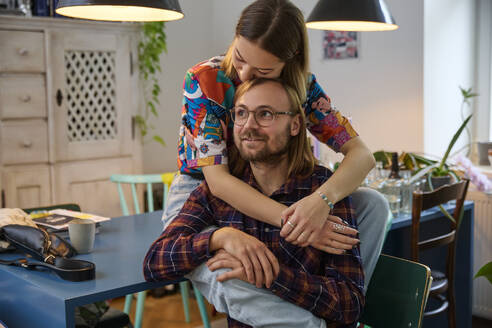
(128, 303)
(201, 306)
(185, 297)
(140, 309)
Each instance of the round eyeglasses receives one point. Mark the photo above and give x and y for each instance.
(264, 117)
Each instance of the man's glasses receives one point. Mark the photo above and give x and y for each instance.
(263, 117)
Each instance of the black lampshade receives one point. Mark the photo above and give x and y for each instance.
(351, 15)
(121, 10)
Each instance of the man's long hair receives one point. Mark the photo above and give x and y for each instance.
(300, 157)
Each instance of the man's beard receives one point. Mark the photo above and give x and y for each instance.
(265, 155)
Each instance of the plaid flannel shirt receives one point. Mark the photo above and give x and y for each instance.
(329, 286)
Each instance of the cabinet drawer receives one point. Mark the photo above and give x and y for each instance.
(21, 51)
(26, 186)
(22, 96)
(24, 142)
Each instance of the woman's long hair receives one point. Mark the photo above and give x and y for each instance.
(276, 26)
(300, 157)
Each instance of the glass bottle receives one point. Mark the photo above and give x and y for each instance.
(391, 187)
(407, 189)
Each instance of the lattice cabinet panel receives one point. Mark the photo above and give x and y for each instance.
(91, 95)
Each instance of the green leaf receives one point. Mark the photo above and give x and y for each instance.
(152, 108)
(159, 140)
(485, 271)
(453, 141)
(383, 156)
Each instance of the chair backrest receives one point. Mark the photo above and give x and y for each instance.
(397, 293)
(146, 179)
(425, 200)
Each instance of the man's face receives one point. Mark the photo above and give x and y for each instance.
(265, 144)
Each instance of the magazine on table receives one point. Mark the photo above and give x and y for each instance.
(58, 219)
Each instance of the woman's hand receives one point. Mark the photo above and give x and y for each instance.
(336, 237)
(304, 220)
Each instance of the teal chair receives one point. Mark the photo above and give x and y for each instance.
(397, 294)
(148, 180)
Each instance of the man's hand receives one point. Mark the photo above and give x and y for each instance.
(259, 263)
(335, 237)
(224, 260)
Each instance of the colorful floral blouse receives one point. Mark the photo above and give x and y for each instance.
(208, 97)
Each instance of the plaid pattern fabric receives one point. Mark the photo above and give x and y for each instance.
(329, 286)
(207, 98)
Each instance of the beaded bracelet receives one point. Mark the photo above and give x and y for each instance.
(327, 201)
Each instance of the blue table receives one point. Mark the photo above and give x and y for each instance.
(398, 244)
(42, 299)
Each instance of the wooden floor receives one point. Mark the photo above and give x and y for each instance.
(167, 311)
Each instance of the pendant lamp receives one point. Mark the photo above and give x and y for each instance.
(121, 10)
(351, 15)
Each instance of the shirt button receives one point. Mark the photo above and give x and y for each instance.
(267, 229)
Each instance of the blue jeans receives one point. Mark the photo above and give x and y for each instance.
(246, 303)
(372, 213)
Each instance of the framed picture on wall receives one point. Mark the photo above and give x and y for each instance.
(340, 45)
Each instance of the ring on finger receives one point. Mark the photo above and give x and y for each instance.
(338, 227)
(291, 224)
(302, 235)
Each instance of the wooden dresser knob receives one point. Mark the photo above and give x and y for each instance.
(23, 52)
(27, 144)
(26, 98)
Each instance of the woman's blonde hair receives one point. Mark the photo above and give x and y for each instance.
(278, 27)
(300, 156)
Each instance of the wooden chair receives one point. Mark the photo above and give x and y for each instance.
(113, 318)
(147, 180)
(397, 294)
(442, 281)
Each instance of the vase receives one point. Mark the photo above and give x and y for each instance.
(440, 181)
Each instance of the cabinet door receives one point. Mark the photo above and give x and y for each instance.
(91, 93)
(26, 186)
(87, 184)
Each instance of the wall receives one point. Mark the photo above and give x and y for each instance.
(449, 33)
(483, 70)
(382, 91)
(188, 42)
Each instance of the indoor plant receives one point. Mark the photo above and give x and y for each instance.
(150, 49)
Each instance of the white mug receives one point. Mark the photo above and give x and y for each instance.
(82, 233)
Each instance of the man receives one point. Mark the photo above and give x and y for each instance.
(295, 286)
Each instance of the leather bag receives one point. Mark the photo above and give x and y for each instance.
(50, 251)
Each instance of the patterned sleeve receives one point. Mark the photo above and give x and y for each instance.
(324, 122)
(336, 292)
(183, 245)
(203, 129)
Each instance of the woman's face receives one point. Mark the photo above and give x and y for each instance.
(251, 61)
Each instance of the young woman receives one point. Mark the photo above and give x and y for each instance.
(271, 41)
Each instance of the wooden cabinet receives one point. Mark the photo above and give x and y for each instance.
(68, 92)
